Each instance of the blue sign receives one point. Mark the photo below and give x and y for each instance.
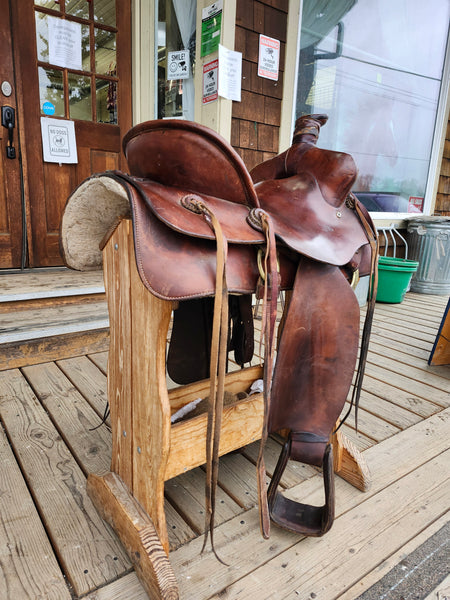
(48, 108)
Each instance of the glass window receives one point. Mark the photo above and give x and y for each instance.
(53, 4)
(105, 51)
(106, 99)
(375, 67)
(80, 102)
(78, 8)
(176, 59)
(105, 12)
(51, 92)
(98, 62)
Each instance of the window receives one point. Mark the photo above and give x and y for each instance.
(175, 54)
(375, 67)
(89, 92)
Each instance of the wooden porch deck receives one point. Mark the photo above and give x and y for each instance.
(54, 545)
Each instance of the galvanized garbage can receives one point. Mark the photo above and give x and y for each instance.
(429, 244)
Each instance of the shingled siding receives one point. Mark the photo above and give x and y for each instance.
(443, 194)
(256, 119)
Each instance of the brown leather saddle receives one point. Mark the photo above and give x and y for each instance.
(210, 234)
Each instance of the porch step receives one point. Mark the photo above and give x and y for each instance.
(51, 314)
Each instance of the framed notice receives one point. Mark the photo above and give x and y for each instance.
(268, 57)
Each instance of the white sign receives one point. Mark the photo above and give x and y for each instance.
(58, 141)
(64, 43)
(178, 64)
(210, 81)
(269, 57)
(230, 69)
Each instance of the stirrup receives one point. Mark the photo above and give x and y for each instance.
(305, 519)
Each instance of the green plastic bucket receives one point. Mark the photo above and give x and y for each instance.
(394, 277)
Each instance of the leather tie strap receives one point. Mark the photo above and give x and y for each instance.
(217, 365)
(259, 219)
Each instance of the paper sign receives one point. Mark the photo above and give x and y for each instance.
(64, 43)
(178, 64)
(210, 81)
(211, 24)
(415, 204)
(58, 141)
(269, 57)
(230, 69)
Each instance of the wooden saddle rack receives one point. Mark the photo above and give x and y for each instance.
(189, 237)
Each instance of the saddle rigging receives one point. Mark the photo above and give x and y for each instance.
(200, 219)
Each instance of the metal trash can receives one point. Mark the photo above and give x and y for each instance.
(429, 244)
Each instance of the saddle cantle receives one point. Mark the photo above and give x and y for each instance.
(201, 221)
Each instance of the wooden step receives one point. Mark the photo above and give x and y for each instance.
(51, 314)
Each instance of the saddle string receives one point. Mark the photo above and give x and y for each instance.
(261, 220)
(218, 359)
(372, 238)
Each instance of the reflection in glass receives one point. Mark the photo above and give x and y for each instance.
(106, 98)
(51, 91)
(105, 12)
(48, 4)
(380, 88)
(80, 101)
(105, 51)
(41, 36)
(78, 8)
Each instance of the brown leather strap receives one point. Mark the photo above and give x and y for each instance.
(261, 220)
(217, 365)
(372, 237)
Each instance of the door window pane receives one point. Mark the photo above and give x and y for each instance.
(375, 67)
(80, 102)
(105, 51)
(78, 8)
(106, 98)
(51, 92)
(105, 12)
(53, 4)
(42, 36)
(176, 33)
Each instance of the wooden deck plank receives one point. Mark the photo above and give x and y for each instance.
(187, 493)
(240, 543)
(380, 528)
(76, 421)
(439, 397)
(88, 379)
(28, 566)
(403, 356)
(101, 360)
(369, 579)
(90, 555)
(77, 424)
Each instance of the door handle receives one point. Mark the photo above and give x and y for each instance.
(9, 121)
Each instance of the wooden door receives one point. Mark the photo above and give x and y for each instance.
(11, 205)
(96, 97)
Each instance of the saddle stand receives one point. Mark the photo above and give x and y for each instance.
(145, 289)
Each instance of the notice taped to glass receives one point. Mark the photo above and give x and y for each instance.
(211, 24)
